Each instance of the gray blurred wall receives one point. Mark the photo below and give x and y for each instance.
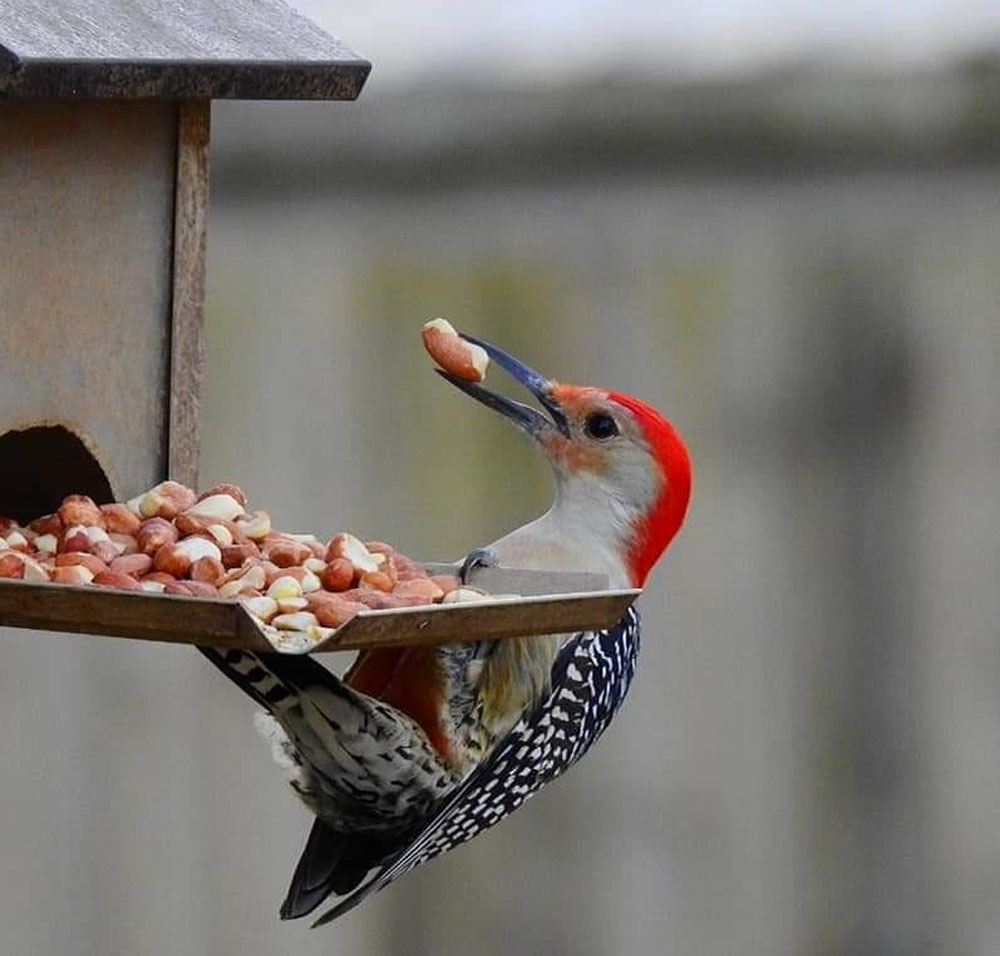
(809, 763)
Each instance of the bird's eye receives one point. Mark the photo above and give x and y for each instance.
(600, 426)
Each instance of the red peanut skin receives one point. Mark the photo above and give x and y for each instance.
(11, 565)
(154, 534)
(73, 541)
(117, 580)
(127, 541)
(105, 550)
(273, 573)
(150, 555)
(120, 519)
(66, 575)
(452, 353)
(80, 509)
(207, 570)
(161, 576)
(287, 554)
(332, 610)
(335, 549)
(176, 498)
(233, 573)
(381, 547)
(338, 575)
(90, 561)
(234, 555)
(48, 524)
(191, 589)
(419, 589)
(391, 564)
(134, 565)
(377, 600)
(170, 559)
(234, 491)
(191, 524)
(188, 524)
(377, 581)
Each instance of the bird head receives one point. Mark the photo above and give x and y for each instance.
(623, 474)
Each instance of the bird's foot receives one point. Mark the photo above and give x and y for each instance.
(477, 558)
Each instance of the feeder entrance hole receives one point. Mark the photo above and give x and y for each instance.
(43, 464)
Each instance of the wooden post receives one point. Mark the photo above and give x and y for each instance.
(187, 310)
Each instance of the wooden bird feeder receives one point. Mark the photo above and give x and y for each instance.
(104, 159)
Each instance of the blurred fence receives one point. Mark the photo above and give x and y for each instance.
(810, 760)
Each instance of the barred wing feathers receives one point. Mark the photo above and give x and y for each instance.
(590, 679)
(361, 765)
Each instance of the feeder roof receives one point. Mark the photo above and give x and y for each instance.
(233, 49)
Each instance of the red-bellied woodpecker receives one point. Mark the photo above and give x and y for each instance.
(417, 750)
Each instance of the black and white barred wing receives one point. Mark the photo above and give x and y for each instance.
(590, 679)
(356, 762)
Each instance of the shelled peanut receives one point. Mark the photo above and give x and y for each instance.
(458, 357)
(174, 541)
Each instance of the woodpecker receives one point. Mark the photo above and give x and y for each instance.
(417, 750)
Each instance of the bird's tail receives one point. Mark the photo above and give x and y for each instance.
(332, 864)
(322, 718)
(270, 679)
(316, 872)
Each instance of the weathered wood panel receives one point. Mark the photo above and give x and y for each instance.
(87, 192)
(187, 347)
(252, 49)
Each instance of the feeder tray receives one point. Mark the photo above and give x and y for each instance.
(549, 603)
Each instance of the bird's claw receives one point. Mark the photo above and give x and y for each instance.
(477, 558)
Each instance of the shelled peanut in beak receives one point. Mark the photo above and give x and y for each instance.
(460, 358)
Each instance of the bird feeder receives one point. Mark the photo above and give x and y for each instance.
(104, 160)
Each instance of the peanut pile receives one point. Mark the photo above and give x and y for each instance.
(174, 541)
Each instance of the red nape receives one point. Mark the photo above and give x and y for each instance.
(408, 679)
(654, 531)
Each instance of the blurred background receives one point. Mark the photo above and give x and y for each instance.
(780, 224)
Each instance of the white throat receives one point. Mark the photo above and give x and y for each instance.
(586, 529)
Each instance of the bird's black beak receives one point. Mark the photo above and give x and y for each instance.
(524, 416)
